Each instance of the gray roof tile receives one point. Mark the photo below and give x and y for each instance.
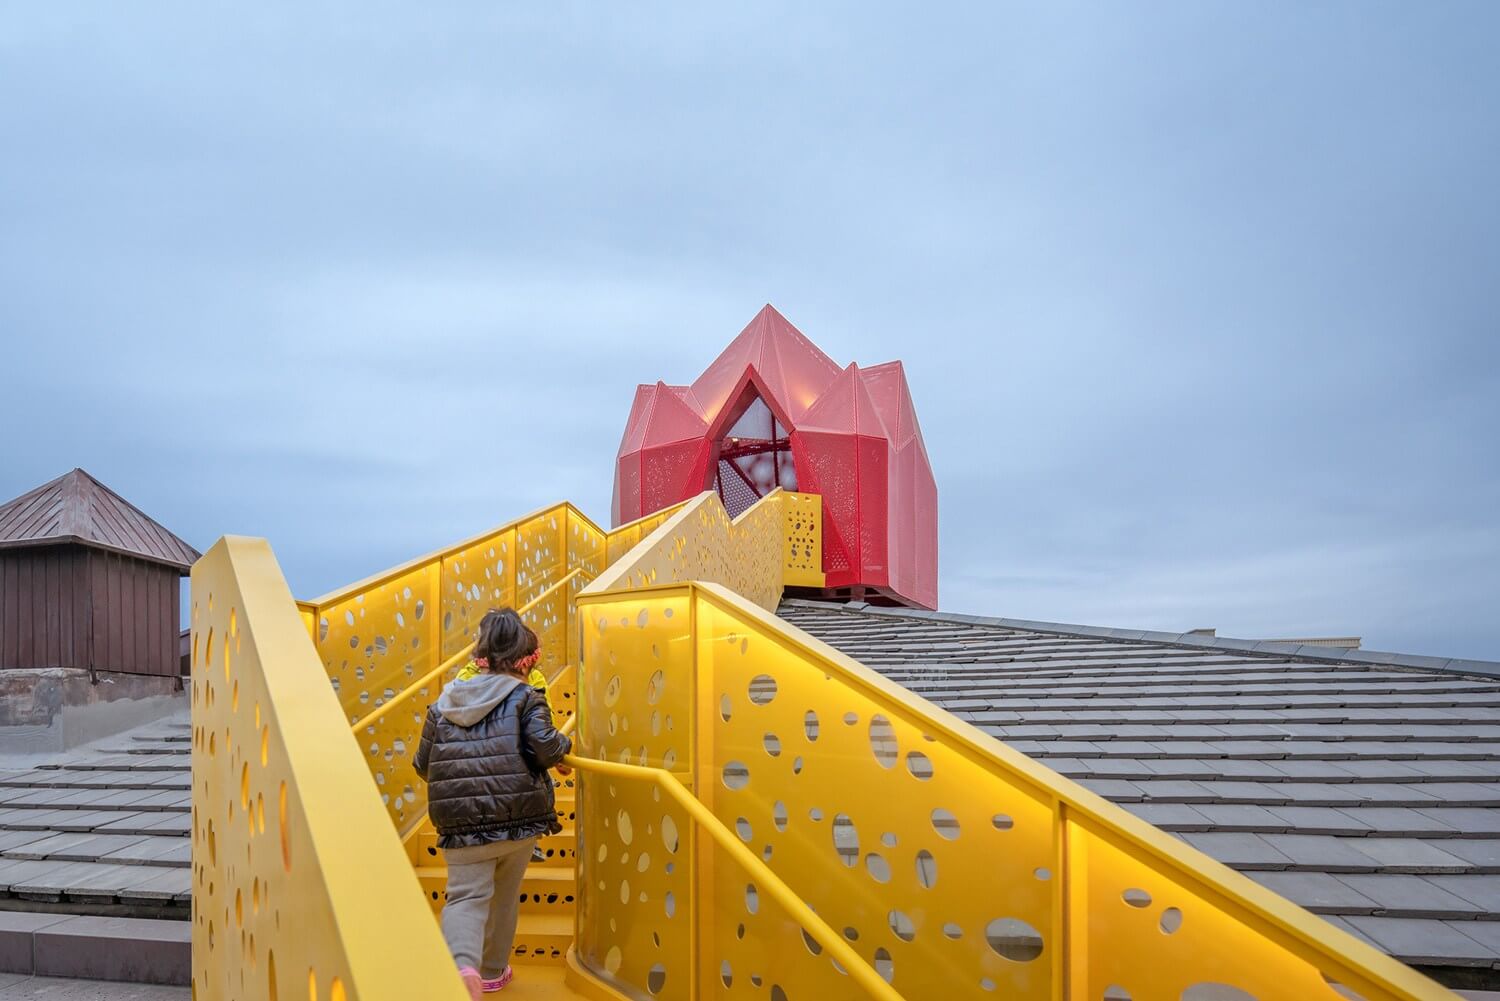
(1363, 785)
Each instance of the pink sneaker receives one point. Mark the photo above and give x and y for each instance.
(473, 981)
(500, 982)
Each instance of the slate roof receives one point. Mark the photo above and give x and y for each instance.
(77, 508)
(1364, 786)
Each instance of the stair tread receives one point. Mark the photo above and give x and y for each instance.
(550, 874)
(545, 924)
(540, 982)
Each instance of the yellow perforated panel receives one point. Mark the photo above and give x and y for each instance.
(952, 866)
(775, 542)
(889, 831)
(475, 579)
(286, 904)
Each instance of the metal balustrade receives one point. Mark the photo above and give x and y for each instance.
(758, 815)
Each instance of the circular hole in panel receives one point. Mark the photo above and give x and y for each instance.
(945, 823)
(852, 934)
(1013, 939)
(920, 765)
(612, 960)
(926, 869)
(777, 994)
(670, 903)
(815, 814)
(725, 708)
(845, 840)
(888, 839)
(752, 898)
(797, 765)
(736, 775)
(773, 744)
(286, 831)
(624, 827)
(879, 868)
(779, 816)
(669, 833)
(1114, 992)
(883, 741)
(810, 725)
(1042, 873)
(884, 966)
(726, 973)
(612, 691)
(762, 689)
(812, 944)
(1216, 992)
(901, 926)
(1171, 920)
(986, 984)
(1136, 897)
(654, 687)
(851, 718)
(742, 828)
(1002, 822)
(953, 931)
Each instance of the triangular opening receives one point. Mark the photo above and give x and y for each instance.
(754, 455)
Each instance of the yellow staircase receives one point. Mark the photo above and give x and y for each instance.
(549, 892)
(761, 817)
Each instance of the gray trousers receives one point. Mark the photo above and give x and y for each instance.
(484, 900)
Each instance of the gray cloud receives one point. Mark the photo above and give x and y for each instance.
(1199, 306)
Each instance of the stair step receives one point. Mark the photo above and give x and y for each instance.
(543, 939)
(540, 982)
(545, 890)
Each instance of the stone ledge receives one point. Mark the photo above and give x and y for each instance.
(133, 950)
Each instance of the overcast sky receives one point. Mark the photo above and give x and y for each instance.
(1199, 302)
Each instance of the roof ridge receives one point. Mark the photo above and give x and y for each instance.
(1263, 648)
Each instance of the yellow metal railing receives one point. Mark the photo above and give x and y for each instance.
(953, 865)
(423, 688)
(390, 639)
(663, 867)
(300, 886)
(759, 816)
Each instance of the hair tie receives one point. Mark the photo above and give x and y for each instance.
(527, 662)
(482, 662)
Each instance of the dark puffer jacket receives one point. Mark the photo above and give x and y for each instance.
(487, 744)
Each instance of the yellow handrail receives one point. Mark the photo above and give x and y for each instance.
(850, 961)
(448, 664)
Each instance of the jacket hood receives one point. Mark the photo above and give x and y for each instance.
(468, 702)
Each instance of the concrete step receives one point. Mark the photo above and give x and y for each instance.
(97, 799)
(97, 948)
(108, 779)
(162, 823)
(111, 887)
(117, 849)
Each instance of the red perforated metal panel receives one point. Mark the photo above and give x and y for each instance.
(774, 410)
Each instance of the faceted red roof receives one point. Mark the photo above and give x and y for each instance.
(77, 508)
(850, 434)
